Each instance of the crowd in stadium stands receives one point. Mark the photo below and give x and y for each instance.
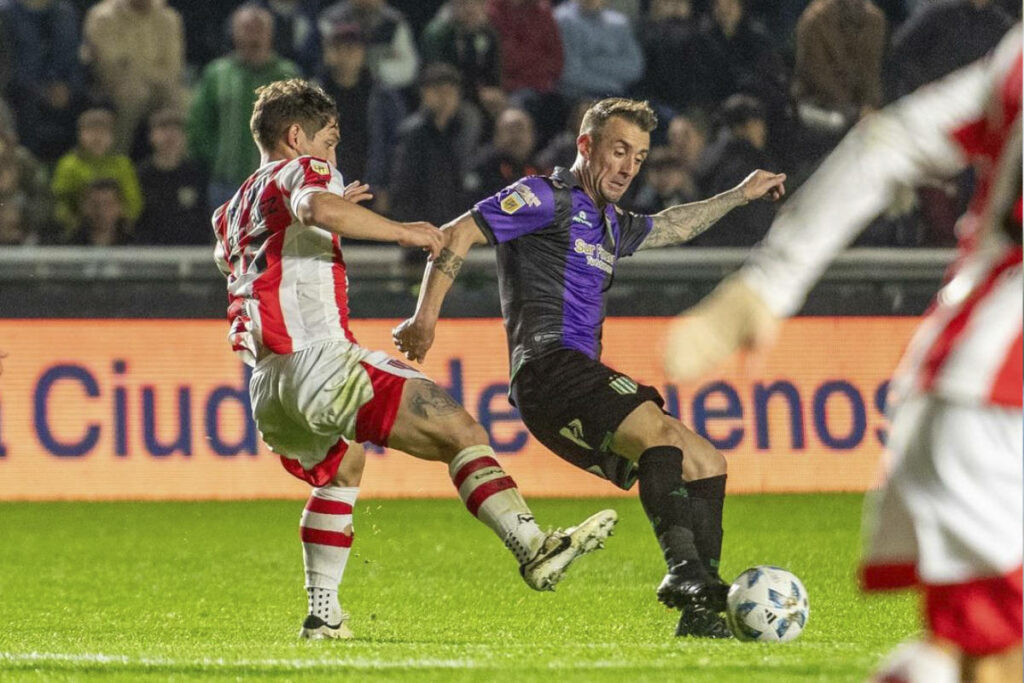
(126, 121)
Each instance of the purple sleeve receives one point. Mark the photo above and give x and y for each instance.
(633, 230)
(526, 206)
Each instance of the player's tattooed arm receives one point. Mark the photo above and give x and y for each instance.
(683, 222)
(429, 400)
(414, 336)
(448, 263)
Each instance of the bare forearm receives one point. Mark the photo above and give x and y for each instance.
(441, 272)
(437, 280)
(330, 212)
(683, 222)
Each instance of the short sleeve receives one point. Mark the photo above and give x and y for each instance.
(633, 230)
(306, 175)
(526, 206)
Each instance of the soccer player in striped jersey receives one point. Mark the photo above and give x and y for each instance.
(316, 394)
(949, 519)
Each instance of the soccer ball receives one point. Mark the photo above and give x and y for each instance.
(767, 604)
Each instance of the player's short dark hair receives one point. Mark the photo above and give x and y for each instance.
(283, 103)
(637, 112)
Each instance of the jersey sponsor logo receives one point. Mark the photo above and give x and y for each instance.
(574, 432)
(623, 385)
(581, 217)
(320, 167)
(597, 256)
(512, 203)
(526, 194)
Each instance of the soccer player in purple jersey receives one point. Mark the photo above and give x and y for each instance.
(558, 239)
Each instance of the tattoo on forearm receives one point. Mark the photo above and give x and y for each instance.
(431, 400)
(682, 223)
(448, 262)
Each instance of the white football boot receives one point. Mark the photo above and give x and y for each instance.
(561, 548)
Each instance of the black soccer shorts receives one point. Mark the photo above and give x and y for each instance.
(574, 404)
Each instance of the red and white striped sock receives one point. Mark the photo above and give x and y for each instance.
(493, 498)
(326, 532)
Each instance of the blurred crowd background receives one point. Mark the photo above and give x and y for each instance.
(126, 121)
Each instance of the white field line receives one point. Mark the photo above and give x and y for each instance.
(363, 663)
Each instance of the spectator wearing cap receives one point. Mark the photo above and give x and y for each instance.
(740, 147)
(369, 113)
(296, 37)
(218, 121)
(174, 187)
(666, 183)
(391, 48)
(45, 86)
(461, 34)
(135, 50)
(90, 160)
(433, 146)
(602, 58)
(102, 221)
(508, 158)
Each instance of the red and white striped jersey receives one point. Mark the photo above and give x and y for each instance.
(287, 285)
(968, 348)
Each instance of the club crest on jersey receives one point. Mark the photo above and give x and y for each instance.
(512, 203)
(320, 167)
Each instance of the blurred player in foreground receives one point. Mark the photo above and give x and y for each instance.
(949, 517)
(316, 394)
(558, 239)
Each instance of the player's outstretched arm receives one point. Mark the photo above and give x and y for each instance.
(414, 336)
(346, 218)
(683, 222)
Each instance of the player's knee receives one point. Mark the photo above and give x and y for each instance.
(665, 433)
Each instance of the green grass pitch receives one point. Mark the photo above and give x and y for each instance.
(183, 591)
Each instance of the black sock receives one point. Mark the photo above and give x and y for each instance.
(707, 498)
(666, 501)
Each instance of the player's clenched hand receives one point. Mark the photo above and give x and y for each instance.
(731, 318)
(357, 192)
(763, 184)
(423, 235)
(413, 337)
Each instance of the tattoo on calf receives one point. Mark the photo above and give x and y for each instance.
(448, 262)
(431, 400)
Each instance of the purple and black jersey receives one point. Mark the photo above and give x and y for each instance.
(556, 258)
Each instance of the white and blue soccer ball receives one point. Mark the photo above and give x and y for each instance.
(767, 604)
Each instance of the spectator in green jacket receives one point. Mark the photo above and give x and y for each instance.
(218, 124)
(90, 160)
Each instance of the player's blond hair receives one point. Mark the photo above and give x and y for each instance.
(283, 103)
(637, 112)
